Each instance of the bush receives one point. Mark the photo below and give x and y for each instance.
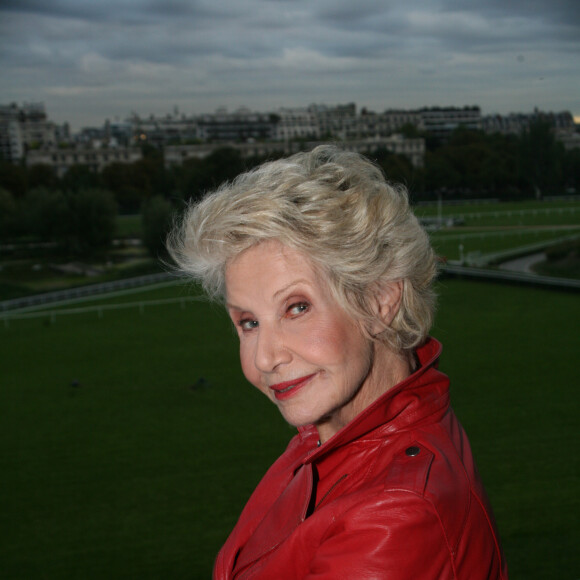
(157, 215)
(93, 214)
(8, 212)
(82, 223)
(564, 250)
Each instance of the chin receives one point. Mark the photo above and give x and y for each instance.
(300, 419)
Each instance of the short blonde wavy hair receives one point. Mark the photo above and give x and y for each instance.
(338, 209)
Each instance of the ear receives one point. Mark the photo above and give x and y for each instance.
(387, 299)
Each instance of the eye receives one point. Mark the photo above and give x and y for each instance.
(297, 309)
(247, 324)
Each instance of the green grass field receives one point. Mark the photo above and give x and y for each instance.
(522, 213)
(489, 228)
(454, 245)
(141, 470)
(129, 226)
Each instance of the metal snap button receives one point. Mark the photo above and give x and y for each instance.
(412, 451)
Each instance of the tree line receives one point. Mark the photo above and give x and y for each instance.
(78, 210)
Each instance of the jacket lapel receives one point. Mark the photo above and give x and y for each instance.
(285, 515)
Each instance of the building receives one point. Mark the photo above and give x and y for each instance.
(61, 160)
(298, 123)
(442, 121)
(11, 144)
(37, 131)
(371, 124)
(241, 126)
(569, 139)
(517, 123)
(26, 128)
(158, 131)
(413, 149)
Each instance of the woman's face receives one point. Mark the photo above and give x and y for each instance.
(297, 345)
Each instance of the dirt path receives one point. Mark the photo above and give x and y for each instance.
(523, 264)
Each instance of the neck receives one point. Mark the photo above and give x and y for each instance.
(386, 370)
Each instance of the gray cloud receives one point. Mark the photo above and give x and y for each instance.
(91, 59)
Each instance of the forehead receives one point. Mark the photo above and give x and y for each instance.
(269, 265)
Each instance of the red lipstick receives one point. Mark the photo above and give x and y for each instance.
(288, 389)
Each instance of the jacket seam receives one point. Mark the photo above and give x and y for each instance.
(465, 478)
(426, 500)
(491, 528)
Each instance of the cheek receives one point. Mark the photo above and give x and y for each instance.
(332, 343)
(247, 363)
(356, 354)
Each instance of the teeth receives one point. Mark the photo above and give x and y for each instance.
(286, 389)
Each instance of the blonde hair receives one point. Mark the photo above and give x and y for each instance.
(338, 209)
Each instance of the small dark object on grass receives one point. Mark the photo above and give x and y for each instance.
(75, 383)
(201, 383)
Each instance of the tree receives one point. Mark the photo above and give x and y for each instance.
(157, 217)
(13, 178)
(197, 176)
(91, 227)
(439, 172)
(8, 213)
(572, 169)
(46, 214)
(79, 177)
(410, 131)
(42, 175)
(121, 179)
(397, 168)
(541, 158)
(150, 177)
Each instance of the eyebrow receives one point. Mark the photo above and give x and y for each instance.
(275, 295)
(288, 286)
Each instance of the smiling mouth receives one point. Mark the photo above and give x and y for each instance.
(285, 389)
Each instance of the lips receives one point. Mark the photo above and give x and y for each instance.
(288, 389)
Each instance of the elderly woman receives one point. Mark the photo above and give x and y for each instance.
(326, 275)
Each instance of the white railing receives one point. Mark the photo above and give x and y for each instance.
(510, 276)
(100, 309)
(84, 291)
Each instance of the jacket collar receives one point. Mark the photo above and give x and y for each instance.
(421, 395)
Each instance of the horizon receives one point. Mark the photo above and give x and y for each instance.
(171, 111)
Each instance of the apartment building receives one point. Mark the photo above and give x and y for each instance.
(299, 123)
(61, 160)
(36, 129)
(442, 121)
(161, 130)
(413, 149)
(516, 123)
(11, 144)
(241, 126)
(23, 128)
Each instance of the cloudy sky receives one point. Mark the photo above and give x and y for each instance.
(88, 60)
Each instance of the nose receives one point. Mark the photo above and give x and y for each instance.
(271, 351)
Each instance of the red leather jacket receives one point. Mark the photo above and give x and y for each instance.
(393, 495)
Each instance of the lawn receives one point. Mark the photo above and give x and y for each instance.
(455, 245)
(522, 213)
(129, 226)
(129, 440)
(490, 228)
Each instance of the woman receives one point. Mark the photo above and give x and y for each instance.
(326, 275)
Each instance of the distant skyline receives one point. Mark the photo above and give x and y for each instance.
(89, 60)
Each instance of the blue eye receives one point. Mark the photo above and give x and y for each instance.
(248, 324)
(298, 308)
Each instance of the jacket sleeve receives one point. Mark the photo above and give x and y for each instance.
(397, 536)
